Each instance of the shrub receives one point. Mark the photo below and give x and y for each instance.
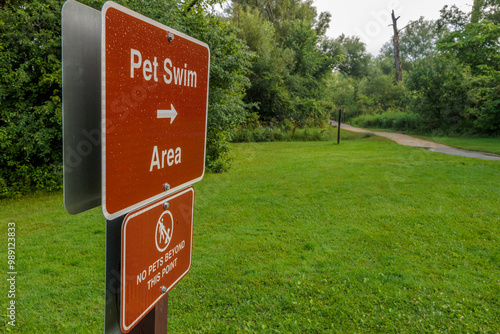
(396, 120)
(30, 97)
(284, 132)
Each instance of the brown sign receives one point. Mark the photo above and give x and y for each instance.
(154, 110)
(156, 254)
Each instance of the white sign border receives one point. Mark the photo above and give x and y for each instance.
(124, 326)
(110, 216)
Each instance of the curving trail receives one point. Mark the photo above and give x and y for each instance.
(416, 142)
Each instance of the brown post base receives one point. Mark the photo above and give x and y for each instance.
(155, 322)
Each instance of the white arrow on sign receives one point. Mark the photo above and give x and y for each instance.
(172, 113)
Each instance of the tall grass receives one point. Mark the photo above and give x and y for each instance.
(491, 145)
(396, 120)
(279, 134)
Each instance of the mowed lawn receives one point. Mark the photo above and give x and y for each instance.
(491, 145)
(298, 237)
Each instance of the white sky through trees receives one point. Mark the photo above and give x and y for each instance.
(370, 19)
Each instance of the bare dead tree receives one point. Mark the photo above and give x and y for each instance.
(395, 41)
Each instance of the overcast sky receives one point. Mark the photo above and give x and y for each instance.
(370, 19)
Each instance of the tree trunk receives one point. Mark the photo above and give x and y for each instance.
(271, 11)
(191, 5)
(397, 57)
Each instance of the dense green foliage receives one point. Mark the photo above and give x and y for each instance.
(477, 48)
(458, 88)
(30, 97)
(439, 92)
(452, 78)
(293, 59)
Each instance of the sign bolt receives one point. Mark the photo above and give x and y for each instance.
(166, 205)
(163, 289)
(166, 187)
(170, 37)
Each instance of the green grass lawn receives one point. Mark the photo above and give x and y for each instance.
(491, 145)
(298, 237)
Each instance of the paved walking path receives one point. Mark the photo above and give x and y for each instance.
(431, 146)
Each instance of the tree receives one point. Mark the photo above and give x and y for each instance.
(457, 88)
(307, 74)
(30, 97)
(355, 58)
(439, 87)
(322, 24)
(476, 11)
(477, 47)
(491, 10)
(485, 9)
(267, 92)
(455, 20)
(416, 41)
(292, 60)
(283, 13)
(381, 90)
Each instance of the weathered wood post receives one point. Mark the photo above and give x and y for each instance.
(338, 127)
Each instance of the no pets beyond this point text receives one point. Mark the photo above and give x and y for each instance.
(156, 270)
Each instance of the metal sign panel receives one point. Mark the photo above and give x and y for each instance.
(154, 107)
(81, 103)
(156, 254)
